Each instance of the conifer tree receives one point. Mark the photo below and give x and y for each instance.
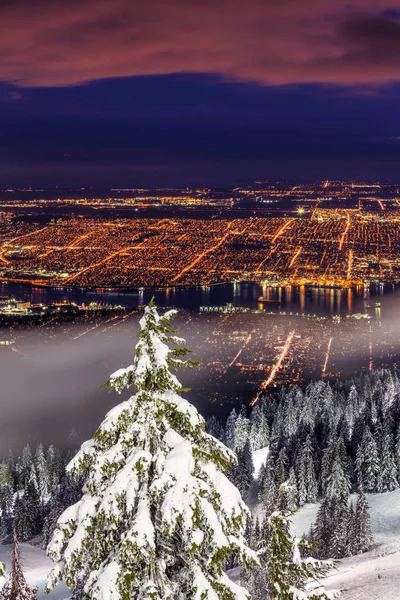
(327, 461)
(308, 472)
(242, 429)
(281, 468)
(267, 494)
(25, 521)
(248, 465)
(56, 507)
(6, 477)
(362, 525)
(230, 430)
(55, 467)
(10, 462)
(43, 479)
(333, 515)
(367, 462)
(290, 422)
(158, 518)
(16, 587)
(350, 545)
(25, 465)
(387, 475)
(288, 493)
(248, 531)
(255, 579)
(259, 431)
(291, 577)
(301, 481)
(6, 511)
(241, 472)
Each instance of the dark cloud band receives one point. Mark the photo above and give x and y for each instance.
(52, 43)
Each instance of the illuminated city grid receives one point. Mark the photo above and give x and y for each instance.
(328, 247)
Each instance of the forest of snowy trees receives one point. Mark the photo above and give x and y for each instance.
(34, 490)
(326, 442)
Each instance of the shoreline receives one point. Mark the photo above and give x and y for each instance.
(138, 289)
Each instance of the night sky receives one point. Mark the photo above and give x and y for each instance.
(155, 92)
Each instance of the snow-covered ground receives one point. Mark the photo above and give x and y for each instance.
(374, 575)
(36, 567)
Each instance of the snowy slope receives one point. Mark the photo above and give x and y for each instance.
(259, 458)
(374, 575)
(36, 567)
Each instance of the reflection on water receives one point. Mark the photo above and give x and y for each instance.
(309, 300)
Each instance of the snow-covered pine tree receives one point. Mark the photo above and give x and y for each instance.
(290, 422)
(6, 477)
(281, 467)
(248, 465)
(43, 479)
(32, 506)
(327, 461)
(230, 430)
(333, 515)
(241, 473)
(55, 508)
(362, 525)
(367, 462)
(287, 498)
(6, 510)
(242, 429)
(55, 467)
(301, 480)
(307, 481)
(16, 587)
(25, 465)
(158, 517)
(6, 500)
(387, 475)
(267, 494)
(259, 431)
(25, 521)
(291, 577)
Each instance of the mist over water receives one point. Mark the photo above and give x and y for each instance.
(50, 379)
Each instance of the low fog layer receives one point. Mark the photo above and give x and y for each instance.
(50, 387)
(51, 379)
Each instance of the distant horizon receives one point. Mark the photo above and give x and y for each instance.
(203, 185)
